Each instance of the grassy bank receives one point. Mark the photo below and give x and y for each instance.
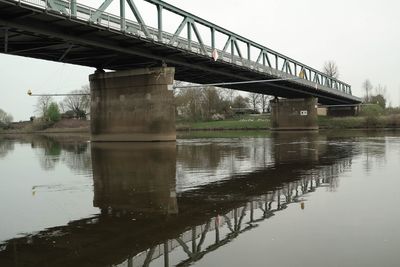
(63, 126)
(261, 122)
(245, 122)
(360, 122)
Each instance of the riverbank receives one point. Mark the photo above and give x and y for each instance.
(63, 126)
(360, 122)
(242, 123)
(264, 123)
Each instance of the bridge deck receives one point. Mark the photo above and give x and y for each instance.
(90, 37)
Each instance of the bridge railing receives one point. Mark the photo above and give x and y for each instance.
(263, 60)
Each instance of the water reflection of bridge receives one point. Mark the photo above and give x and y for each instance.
(144, 220)
(223, 229)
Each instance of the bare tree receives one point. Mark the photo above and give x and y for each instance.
(264, 102)
(380, 90)
(331, 69)
(380, 97)
(240, 102)
(228, 94)
(5, 118)
(367, 86)
(254, 100)
(212, 102)
(43, 104)
(78, 102)
(188, 102)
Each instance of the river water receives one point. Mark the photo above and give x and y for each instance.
(226, 199)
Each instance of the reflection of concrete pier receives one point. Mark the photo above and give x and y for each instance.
(140, 223)
(134, 177)
(201, 226)
(298, 147)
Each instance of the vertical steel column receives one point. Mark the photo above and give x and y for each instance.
(213, 38)
(189, 34)
(232, 49)
(160, 23)
(216, 222)
(235, 220)
(263, 58)
(193, 240)
(122, 14)
(248, 51)
(73, 8)
(166, 254)
(279, 199)
(251, 211)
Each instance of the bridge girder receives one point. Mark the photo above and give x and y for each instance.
(100, 32)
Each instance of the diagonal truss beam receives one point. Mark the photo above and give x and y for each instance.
(179, 30)
(139, 18)
(184, 247)
(56, 6)
(198, 36)
(97, 14)
(66, 52)
(149, 257)
(203, 236)
(234, 42)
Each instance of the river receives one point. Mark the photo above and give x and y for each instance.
(210, 199)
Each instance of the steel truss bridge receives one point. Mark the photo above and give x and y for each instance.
(70, 32)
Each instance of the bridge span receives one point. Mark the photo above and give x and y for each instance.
(198, 51)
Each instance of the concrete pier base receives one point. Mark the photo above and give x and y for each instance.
(133, 105)
(294, 114)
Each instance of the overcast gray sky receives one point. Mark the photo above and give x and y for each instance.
(362, 37)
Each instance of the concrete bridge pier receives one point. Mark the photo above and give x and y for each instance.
(133, 105)
(294, 114)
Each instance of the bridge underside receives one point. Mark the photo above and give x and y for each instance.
(51, 36)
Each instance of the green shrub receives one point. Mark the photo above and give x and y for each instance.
(371, 110)
(53, 113)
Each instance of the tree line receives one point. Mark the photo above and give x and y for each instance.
(211, 103)
(375, 94)
(5, 119)
(75, 105)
